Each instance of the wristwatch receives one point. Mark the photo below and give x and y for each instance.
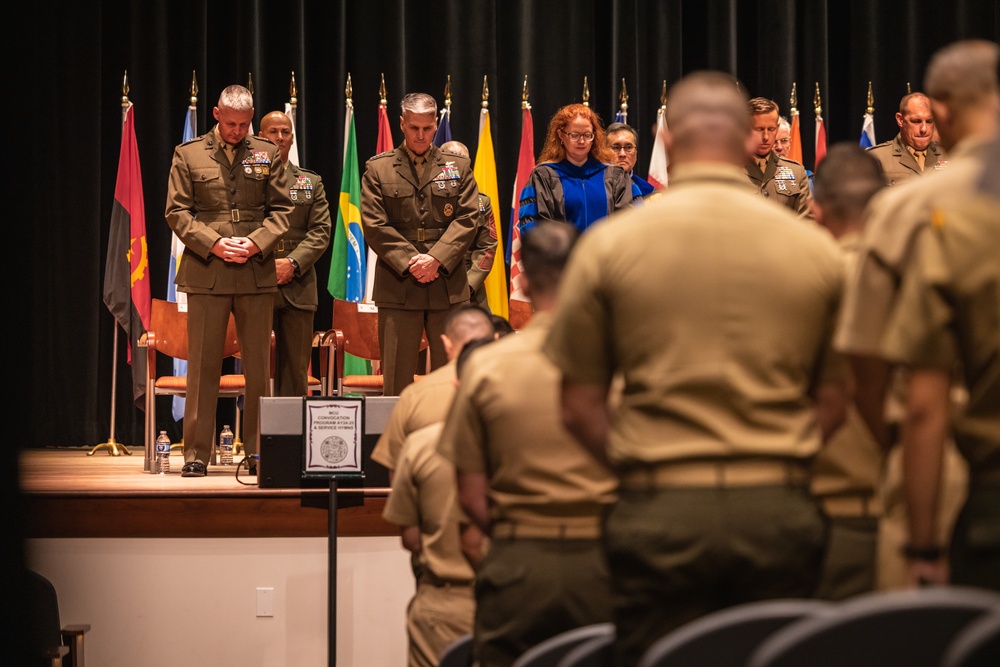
(929, 553)
(295, 265)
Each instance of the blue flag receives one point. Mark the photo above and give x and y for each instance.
(176, 251)
(621, 116)
(868, 132)
(443, 134)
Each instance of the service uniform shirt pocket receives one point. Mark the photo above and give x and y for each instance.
(399, 201)
(209, 187)
(785, 182)
(444, 201)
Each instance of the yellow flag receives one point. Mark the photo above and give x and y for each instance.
(485, 171)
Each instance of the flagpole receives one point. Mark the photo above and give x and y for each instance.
(623, 96)
(115, 448)
(586, 92)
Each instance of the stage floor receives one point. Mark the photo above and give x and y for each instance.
(71, 494)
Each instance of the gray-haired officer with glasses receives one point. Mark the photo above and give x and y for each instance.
(623, 141)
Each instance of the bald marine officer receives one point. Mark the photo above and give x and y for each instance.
(420, 208)
(228, 203)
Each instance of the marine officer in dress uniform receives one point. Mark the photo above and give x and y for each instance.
(307, 239)
(420, 208)
(774, 176)
(228, 203)
(717, 420)
(912, 152)
(479, 261)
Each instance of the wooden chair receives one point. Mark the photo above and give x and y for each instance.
(48, 640)
(355, 332)
(167, 334)
(520, 313)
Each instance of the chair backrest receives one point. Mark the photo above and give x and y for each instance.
(458, 653)
(520, 313)
(169, 326)
(359, 325)
(902, 627)
(977, 645)
(729, 636)
(549, 652)
(596, 652)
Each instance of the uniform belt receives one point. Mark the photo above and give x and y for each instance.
(232, 215)
(716, 474)
(508, 530)
(422, 234)
(855, 505)
(286, 244)
(428, 577)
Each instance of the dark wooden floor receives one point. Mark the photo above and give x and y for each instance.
(69, 493)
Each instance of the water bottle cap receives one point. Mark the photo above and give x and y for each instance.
(225, 427)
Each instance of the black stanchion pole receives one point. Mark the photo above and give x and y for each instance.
(332, 577)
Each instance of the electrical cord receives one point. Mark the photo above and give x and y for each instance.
(245, 463)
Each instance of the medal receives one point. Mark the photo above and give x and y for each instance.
(448, 209)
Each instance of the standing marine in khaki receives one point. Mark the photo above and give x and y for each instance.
(717, 421)
(228, 203)
(420, 209)
(910, 153)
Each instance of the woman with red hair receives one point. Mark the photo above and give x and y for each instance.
(575, 180)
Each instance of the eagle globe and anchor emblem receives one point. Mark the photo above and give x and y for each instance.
(333, 450)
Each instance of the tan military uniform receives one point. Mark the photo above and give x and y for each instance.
(424, 494)
(783, 181)
(404, 214)
(544, 572)
(898, 164)
(211, 195)
(420, 404)
(715, 425)
(307, 239)
(482, 253)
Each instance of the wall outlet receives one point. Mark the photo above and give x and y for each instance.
(265, 602)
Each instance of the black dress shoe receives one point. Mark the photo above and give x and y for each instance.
(194, 469)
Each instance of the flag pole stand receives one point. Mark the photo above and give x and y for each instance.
(114, 448)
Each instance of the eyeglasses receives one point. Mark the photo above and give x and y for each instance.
(785, 141)
(585, 137)
(627, 148)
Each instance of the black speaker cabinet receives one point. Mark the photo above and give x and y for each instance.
(281, 443)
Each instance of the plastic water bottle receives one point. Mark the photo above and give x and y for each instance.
(226, 446)
(162, 458)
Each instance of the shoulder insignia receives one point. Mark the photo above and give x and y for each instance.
(308, 171)
(382, 155)
(195, 140)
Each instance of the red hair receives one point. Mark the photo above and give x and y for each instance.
(553, 149)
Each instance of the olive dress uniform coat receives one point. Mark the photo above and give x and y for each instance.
(898, 164)
(482, 253)
(209, 198)
(307, 239)
(783, 181)
(404, 215)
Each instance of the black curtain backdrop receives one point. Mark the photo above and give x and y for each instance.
(77, 55)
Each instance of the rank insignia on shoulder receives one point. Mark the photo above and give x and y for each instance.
(448, 172)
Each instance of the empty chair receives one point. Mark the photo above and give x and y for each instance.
(520, 313)
(729, 636)
(47, 639)
(977, 645)
(596, 652)
(458, 653)
(549, 652)
(903, 627)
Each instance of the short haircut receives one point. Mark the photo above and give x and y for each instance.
(963, 73)
(783, 123)
(502, 325)
(418, 103)
(846, 180)
(762, 105)
(545, 249)
(708, 109)
(466, 322)
(456, 147)
(236, 98)
(467, 350)
(904, 103)
(622, 127)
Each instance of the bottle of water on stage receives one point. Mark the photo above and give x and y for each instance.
(162, 459)
(226, 446)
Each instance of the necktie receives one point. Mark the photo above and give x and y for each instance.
(920, 156)
(418, 163)
(762, 163)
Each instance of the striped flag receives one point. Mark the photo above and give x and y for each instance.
(176, 252)
(485, 171)
(658, 161)
(795, 138)
(293, 151)
(525, 163)
(126, 273)
(868, 131)
(443, 134)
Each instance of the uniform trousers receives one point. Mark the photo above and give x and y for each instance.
(678, 553)
(849, 562)
(293, 332)
(975, 544)
(530, 589)
(399, 332)
(208, 319)
(438, 614)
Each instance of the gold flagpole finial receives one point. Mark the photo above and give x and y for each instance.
(293, 90)
(586, 92)
(381, 91)
(663, 96)
(349, 91)
(194, 89)
(623, 96)
(524, 94)
(794, 100)
(817, 102)
(250, 82)
(871, 100)
(447, 92)
(908, 91)
(486, 94)
(125, 90)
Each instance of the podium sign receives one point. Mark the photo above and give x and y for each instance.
(332, 429)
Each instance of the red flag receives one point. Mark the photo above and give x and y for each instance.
(384, 131)
(126, 274)
(525, 163)
(820, 141)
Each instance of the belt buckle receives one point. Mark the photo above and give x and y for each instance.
(420, 234)
(235, 214)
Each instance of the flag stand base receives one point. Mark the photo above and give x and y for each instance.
(114, 448)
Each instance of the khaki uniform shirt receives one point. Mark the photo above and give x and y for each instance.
(716, 307)
(505, 423)
(420, 404)
(783, 181)
(898, 164)
(405, 215)
(948, 315)
(424, 494)
(308, 235)
(482, 253)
